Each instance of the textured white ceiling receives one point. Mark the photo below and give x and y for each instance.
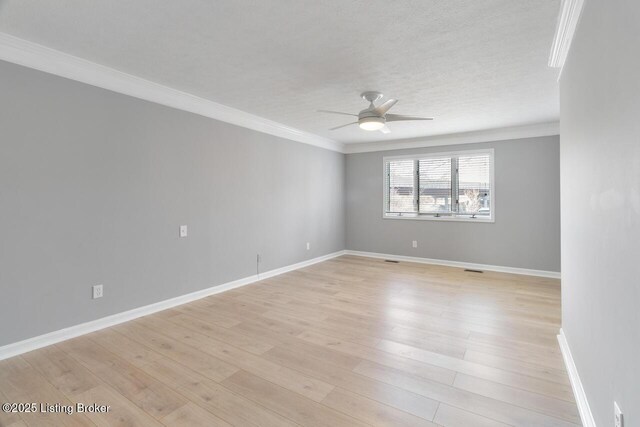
(471, 64)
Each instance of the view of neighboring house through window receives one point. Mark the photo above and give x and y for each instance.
(440, 185)
(401, 179)
(435, 185)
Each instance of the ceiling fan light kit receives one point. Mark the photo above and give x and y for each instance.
(375, 118)
(371, 123)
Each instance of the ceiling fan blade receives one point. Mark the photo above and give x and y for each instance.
(337, 112)
(400, 118)
(385, 106)
(348, 124)
(385, 129)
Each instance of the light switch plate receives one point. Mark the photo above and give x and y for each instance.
(183, 231)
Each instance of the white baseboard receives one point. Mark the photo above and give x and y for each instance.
(34, 343)
(578, 391)
(459, 264)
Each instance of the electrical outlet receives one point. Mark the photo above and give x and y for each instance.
(619, 418)
(415, 243)
(183, 231)
(308, 245)
(97, 291)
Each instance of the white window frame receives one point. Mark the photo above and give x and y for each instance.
(440, 217)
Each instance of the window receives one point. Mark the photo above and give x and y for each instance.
(440, 186)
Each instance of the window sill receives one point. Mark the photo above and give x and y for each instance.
(439, 218)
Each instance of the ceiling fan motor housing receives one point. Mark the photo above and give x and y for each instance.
(369, 118)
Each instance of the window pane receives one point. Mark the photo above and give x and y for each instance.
(435, 185)
(401, 175)
(473, 184)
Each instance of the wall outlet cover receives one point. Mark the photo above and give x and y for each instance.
(308, 245)
(415, 243)
(97, 291)
(183, 231)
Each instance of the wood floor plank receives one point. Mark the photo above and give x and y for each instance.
(304, 411)
(122, 412)
(323, 328)
(212, 315)
(9, 419)
(256, 329)
(371, 411)
(450, 416)
(143, 390)
(256, 346)
(217, 399)
(21, 383)
(396, 397)
(290, 379)
(501, 376)
(206, 364)
(280, 326)
(61, 370)
(388, 323)
(482, 405)
(532, 369)
(536, 402)
(191, 415)
(134, 352)
(432, 342)
(414, 367)
(525, 343)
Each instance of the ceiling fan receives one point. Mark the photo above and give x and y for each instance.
(375, 118)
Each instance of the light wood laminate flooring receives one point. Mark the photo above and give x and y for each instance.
(351, 341)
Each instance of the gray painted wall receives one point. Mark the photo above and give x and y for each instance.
(93, 187)
(600, 163)
(525, 234)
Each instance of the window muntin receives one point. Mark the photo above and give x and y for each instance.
(455, 185)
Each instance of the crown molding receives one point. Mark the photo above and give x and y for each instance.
(567, 23)
(500, 134)
(42, 58)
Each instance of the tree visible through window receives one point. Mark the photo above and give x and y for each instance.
(474, 187)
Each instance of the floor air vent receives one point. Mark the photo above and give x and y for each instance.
(390, 260)
(473, 271)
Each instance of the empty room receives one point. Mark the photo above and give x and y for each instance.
(332, 213)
